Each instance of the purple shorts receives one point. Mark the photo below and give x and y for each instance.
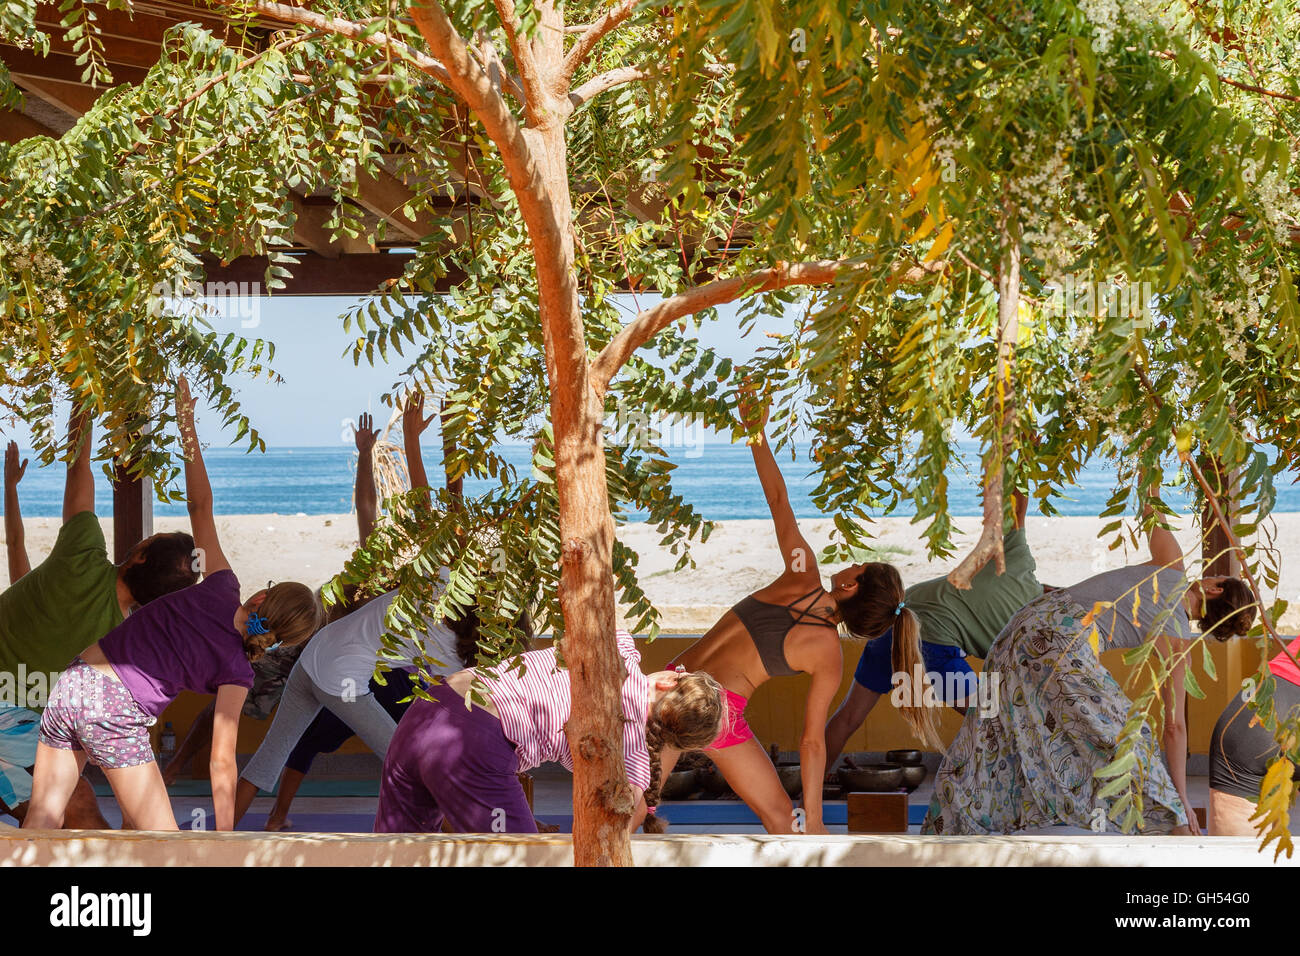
(446, 763)
(93, 712)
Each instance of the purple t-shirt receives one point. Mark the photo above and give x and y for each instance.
(185, 640)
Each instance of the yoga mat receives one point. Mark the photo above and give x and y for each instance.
(310, 788)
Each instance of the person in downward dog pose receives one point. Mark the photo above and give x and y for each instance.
(51, 613)
(1061, 714)
(201, 638)
(791, 626)
(455, 763)
(1241, 749)
(953, 623)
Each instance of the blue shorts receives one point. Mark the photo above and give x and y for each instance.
(876, 668)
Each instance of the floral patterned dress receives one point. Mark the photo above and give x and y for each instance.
(1059, 716)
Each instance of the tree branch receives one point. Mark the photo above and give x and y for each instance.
(649, 322)
(501, 77)
(587, 42)
(471, 83)
(529, 76)
(607, 81)
(338, 26)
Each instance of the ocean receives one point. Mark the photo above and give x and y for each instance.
(718, 479)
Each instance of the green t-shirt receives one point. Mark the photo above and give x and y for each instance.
(973, 619)
(64, 604)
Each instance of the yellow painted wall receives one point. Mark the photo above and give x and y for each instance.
(776, 710)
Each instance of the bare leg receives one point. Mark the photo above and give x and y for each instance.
(1229, 815)
(53, 782)
(750, 773)
(142, 795)
(290, 781)
(83, 809)
(200, 736)
(852, 713)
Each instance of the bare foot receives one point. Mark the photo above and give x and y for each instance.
(276, 826)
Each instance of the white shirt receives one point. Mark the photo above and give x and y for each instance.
(341, 658)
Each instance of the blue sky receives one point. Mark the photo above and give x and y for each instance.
(322, 390)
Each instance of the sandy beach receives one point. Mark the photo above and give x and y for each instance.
(739, 557)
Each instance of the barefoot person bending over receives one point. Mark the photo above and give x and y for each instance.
(1061, 715)
(1241, 750)
(201, 638)
(456, 764)
(56, 610)
(953, 624)
(789, 627)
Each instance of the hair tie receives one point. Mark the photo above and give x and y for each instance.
(678, 668)
(256, 625)
(275, 645)
(899, 610)
(650, 810)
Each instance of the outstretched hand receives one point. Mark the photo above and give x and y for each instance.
(184, 409)
(364, 433)
(413, 421)
(13, 470)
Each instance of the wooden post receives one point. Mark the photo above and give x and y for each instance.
(132, 511)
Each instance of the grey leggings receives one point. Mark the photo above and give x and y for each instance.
(301, 702)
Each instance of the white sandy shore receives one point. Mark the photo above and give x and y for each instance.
(739, 557)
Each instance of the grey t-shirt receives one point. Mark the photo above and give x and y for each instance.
(1155, 591)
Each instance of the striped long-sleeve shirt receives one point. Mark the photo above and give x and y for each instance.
(535, 706)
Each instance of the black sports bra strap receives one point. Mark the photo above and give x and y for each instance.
(808, 611)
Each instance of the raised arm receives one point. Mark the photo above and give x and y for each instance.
(413, 425)
(795, 550)
(79, 488)
(364, 493)
(1165, 552)
(198, 490)
(15, 537)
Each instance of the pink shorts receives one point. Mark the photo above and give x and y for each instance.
(91, 711)
(735, 730)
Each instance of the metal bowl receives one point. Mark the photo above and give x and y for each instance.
(679, 785)
(712, 782)
(913, 776)
(905, 758)
(873, 778)
(791, 779)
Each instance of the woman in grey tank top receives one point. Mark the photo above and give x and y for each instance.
(1060, 714)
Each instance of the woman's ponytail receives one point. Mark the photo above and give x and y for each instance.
(878, 605)
(908, 660)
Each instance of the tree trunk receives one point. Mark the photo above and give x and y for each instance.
(602, 798)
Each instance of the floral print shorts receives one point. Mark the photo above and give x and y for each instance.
(93, 712)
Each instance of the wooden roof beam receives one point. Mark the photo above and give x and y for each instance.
(71, 98)
(14, 126)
